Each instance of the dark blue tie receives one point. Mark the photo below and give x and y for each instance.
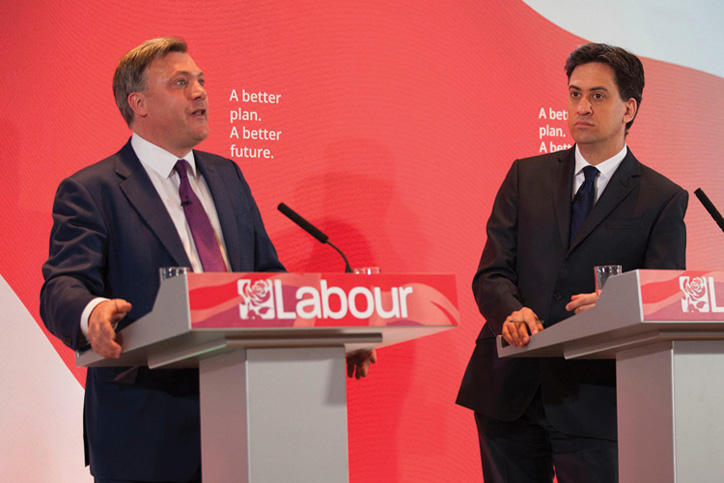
(583, 201)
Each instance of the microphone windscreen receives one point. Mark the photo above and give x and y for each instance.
(306, 226)
(710, 207)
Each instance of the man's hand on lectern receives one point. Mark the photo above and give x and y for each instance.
(520, 325)
(358, 363)
(581, 302)
(101, 327)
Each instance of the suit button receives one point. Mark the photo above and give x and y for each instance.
(557, 296)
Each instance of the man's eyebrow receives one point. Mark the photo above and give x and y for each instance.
(596, 88)
(189, 73)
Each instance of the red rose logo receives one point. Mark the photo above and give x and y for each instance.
(696, 296)
(257, 299)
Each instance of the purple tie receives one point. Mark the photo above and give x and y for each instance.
(204, 237)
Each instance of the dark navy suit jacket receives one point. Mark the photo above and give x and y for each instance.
(637, 222)
(111, 234)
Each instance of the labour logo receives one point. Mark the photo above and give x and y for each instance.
(696, 294)
(257, 301)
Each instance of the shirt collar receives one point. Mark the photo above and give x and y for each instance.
(606, 168)
(157, 158)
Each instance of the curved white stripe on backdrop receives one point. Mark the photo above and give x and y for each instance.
(41, 403)
(683, 33)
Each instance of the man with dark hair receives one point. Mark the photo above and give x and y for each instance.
(116, 223)
(628, 70)
(555, 217)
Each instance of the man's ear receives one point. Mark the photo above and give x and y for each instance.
(630, 112)
(137, 101)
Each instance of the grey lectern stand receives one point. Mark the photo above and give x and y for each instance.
(272, 376)
(669, 370)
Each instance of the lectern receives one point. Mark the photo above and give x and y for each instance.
(665, 329)
(270, 348)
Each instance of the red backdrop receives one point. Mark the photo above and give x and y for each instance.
(398, 121)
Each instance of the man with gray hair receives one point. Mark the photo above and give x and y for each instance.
(155, 203)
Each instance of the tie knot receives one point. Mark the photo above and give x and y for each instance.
(590, 172)
(181, 167)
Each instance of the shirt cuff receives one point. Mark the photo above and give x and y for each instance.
(85, 316)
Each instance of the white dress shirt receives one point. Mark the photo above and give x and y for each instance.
(159, 165)
(605, 168)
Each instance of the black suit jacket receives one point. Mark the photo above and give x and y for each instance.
(637, 222)
(111, 234)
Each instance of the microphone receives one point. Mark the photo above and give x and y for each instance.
(312, 230)
(710, 207)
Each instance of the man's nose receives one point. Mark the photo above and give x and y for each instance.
(584, 106)
(198, 91)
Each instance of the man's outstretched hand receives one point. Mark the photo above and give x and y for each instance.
(101, 327)
(358, 363)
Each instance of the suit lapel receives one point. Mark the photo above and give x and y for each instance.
(562, 183)
(224, 207)
(624, 180)
(141, 193)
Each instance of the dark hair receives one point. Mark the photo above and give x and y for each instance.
(628, 69)
(130, 73)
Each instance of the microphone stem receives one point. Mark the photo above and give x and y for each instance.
(713, 212)
(347, 268)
